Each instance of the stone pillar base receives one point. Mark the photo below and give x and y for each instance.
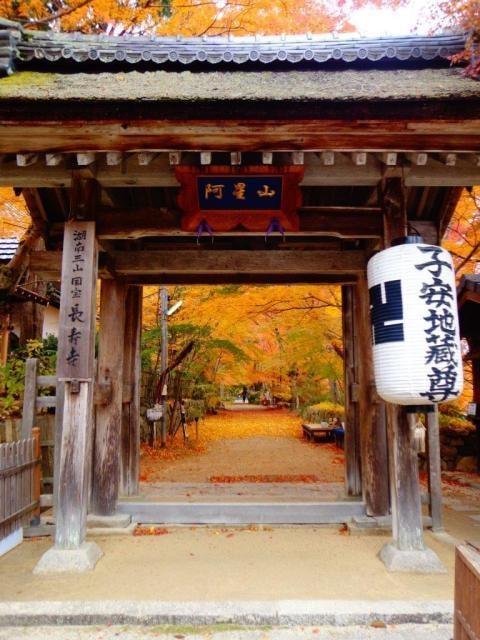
(115, 521)
(69, 560)
(418, 561)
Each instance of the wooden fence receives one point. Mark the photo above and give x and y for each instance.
(19, 488)
(32, 403)
(467, 593)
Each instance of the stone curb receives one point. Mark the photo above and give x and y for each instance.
(254, 613)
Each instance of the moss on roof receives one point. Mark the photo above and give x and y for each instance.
(347, 85)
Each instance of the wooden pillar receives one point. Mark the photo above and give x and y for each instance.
(407, 528)
(474, 345)
(75, 371)
(373, 435)
(130, 436)
(108, 419)
(434, 470)
(4, 337)
(353, 478)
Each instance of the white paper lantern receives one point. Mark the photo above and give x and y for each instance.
(415, 335)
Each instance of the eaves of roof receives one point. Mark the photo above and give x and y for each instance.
(292, 49)
(18, 44)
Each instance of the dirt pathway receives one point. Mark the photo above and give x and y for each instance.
(253, 446)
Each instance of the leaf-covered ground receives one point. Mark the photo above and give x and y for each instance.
(251, 446)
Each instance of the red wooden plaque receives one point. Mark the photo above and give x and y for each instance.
(230, 197)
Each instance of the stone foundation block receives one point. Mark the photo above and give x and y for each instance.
(418, 561)
(69, 560)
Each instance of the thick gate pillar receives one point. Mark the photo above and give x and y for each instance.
(108, 419)
(374, 458)
(75, 373)
(407, 551)
(130, 436)
(353, 477)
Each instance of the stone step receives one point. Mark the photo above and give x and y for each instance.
(241, 513)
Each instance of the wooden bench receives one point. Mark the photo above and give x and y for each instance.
(313, 431)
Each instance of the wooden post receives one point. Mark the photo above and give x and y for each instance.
(5, 337)
(130, 437)
(475, 349)
(106, 472)
(372, 412)
(434, 470)
(29, 397)
(75, 371)
(353, 478)
(164, 358)
(407, 526)
(36, 476)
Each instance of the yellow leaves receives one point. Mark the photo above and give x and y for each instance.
(279, 328)
(275, 423)
(225, 425)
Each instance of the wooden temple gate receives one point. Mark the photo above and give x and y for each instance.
(101, 180)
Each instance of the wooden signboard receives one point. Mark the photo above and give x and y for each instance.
(227, 197)
(75, 357)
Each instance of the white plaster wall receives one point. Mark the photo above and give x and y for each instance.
(50, 322)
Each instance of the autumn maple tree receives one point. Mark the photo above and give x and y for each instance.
(188, 17)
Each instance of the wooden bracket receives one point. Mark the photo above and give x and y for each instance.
(374, 395)
(102, 393)
(84, 197)
(74, 386)
(127, 395)
(354, 392)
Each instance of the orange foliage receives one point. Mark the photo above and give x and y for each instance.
(184, 17)
(284, 331)
(305, 478)
(190, 17)
(14, 219)
(463, 234)
(149, 531)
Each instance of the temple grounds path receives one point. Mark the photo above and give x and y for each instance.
(232, 444)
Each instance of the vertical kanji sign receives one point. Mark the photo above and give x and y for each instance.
(75, 357)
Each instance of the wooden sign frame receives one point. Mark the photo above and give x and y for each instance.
(228, 219)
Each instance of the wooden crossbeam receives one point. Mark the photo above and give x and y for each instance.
(214, 262)
(314, 221)
(415, 135)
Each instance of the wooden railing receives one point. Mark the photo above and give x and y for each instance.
(467, 593)
(19, 487)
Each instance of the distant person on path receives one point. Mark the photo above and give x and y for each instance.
(244, 394)
(183, 419)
